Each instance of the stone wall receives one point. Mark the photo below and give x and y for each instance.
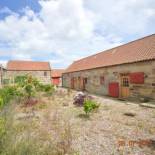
(112, 74)
(2, 74)
(0, 78)
(42, 76)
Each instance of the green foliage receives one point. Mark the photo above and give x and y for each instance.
(44, 87)
(5, 81)
(7, 94)
(29, 90)
(1, 102)
(89, 106)
(2, 127)
(30, 83)
(20, 80)
(48, 88)
(25, 87)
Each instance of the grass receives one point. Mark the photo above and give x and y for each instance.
(22, 134)
(50, 128)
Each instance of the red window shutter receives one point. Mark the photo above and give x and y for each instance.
(137, 78)
(114, 89)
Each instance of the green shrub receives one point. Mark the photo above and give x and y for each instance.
(5, 81)
(25, 87)
(89, 106)
(1, 102)
(48, 88)
(20, 80)
(29, 90)
(2, 127)
(7, 94)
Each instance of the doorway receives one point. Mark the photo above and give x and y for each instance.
(125, 83)
(72, 83)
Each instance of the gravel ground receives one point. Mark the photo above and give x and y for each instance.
(108, 131)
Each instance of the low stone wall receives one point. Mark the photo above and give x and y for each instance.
(112, 74)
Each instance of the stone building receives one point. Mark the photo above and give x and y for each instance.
(126, 71)
(56, 76)
(2, 72)
(40, 70)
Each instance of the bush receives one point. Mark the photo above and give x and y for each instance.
(48, 89)
(26, 87)
(89, 106)
(5, 81)
(20, 80)
(7, 94)
(79, 99)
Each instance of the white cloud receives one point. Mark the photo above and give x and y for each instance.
(66, 30)
(3, 63)
(124, 16)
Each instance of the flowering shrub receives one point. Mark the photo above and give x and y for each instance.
(79, 99)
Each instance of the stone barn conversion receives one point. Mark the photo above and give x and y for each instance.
(56, 76)
(126, 71)
(2, 72)
(40, 70)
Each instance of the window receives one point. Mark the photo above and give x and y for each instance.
(125, 82)
(102, 80)
(45, 73)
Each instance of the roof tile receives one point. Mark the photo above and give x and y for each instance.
(28, 66)
(139, 50)
(57, 72)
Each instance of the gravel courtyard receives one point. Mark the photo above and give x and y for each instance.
(116, 128)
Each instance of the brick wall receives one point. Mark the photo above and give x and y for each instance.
(112, 74)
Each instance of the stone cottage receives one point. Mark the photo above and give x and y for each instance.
(2, 72)
(56, 76)
(40, 70)
(126, 71)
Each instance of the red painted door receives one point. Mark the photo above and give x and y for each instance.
(114, 89)
(56, 81)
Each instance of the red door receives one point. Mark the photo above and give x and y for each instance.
(114, 89)
(55, 81)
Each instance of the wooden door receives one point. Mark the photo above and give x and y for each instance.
(82, 84)
(72, 83)
(79, 83)
(125, 91)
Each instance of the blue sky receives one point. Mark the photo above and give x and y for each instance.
(16, 5)
(62, 31)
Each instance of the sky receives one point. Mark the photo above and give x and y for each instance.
(63, 31)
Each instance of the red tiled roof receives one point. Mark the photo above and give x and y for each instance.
(57, 72)
(28, 66)
(139, 50)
